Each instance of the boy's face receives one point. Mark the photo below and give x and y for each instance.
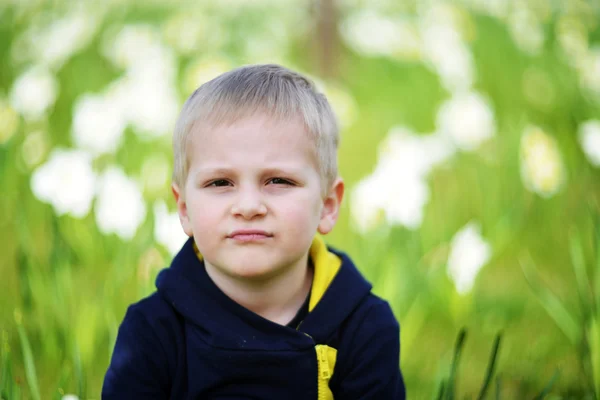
(252, 199)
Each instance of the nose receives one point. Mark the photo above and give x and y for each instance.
(249, 204)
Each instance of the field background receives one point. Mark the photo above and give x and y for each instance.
(470, 147)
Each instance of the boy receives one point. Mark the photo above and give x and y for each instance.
(255, 306)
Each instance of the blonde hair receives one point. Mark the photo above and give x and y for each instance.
(272, 89)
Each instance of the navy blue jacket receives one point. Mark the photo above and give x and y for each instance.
(189, 340)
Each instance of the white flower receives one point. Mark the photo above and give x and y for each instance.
(468, 119)
(153, 105)
(542, 170)
(66, 181)
(65, 37)
(469, 252)
(366, 204)
(167, 228)
(98, 124)
(572, 35)
(589, 70)
(397, 189)
(146, 94)
(371, 34)
(120, 208)
(34, 92)
(132, 44)
(444, 49)
(527, 31)
(34, 147)
(406, 197)
(589, 138)
(185, 31)
(70, 397)
(413, 154)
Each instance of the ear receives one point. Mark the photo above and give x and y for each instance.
(331, 207)
(184, 218)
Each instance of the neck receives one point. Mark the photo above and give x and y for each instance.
(277, 298)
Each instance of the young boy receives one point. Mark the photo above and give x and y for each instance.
(255, 306)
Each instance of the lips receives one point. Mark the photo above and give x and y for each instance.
(249, 235)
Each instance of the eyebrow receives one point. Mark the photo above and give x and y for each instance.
(276, 170)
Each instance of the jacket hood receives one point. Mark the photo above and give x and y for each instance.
(337, 289)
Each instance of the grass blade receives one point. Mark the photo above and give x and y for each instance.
(498, 382)
(29, 363)
(460, 341)
(596, 219)
(563, 318)
(440, 395)
(491, 366)
(4, 367)
(581, 276)
(548, 386)
(593, 336)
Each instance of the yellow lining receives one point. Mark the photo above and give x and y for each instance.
(326, 266)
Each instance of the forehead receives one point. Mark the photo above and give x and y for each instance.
(253, 139)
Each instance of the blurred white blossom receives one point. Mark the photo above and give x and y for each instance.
(98, 124)
(34, 147)
(589, 70)
(70, 397)
(469, 252)
(372, 34)
(495, 8)
(542, 169)
(187, 32)
(9, 121)
(33, 92)
(572, 36)
(146, 94)
(366, 204)
(589, 138)
(66, 36)
(167, 228)
(444, 48)
(467, 119)
(133, 44)
(398, 189)
(66, 181)
(152, 103)
(120, 207)
(527, 31)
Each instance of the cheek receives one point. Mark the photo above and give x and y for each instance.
(302, 214)
(204, 212)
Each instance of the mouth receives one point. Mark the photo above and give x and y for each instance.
(249, 235)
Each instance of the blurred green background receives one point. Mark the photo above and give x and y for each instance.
(470, 148)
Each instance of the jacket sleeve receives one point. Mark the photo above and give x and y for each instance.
(373, 369)
(138, 368)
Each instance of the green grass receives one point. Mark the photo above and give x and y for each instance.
(65, 286)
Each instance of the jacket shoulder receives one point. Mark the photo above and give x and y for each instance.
(146, 353)
(369, 353)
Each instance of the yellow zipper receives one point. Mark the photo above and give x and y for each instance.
(326, 357)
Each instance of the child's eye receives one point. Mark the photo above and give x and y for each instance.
(218, 183)
(280, 181)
